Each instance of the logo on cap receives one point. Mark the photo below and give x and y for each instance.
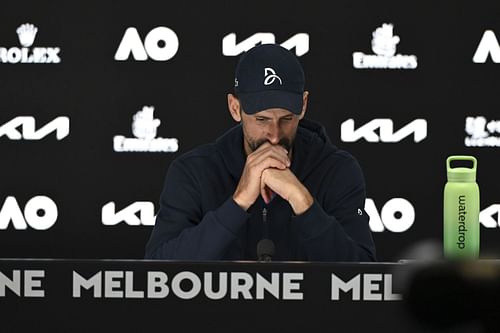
(270, 76)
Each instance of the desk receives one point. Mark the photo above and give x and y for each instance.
(140, 296)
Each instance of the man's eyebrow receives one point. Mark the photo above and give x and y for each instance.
(285, 116)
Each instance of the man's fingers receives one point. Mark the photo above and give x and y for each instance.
(276, 153)
(270, 162)
(268, 146)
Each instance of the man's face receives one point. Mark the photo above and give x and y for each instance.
(276, 126)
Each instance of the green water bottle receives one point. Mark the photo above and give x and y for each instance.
(461, 211)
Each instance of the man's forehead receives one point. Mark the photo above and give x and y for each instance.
(273, 113)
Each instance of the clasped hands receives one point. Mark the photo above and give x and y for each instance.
(267, 170)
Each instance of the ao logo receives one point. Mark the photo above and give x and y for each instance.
(230, 48)
(417, 127)
(146, 211)
(397, 215)
(10, 129)
(487, 46)
(40, 213)
(131, 43)
(487, 216)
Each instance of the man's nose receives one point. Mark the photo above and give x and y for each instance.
(273, 134)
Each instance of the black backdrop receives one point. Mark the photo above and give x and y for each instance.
(81, 172)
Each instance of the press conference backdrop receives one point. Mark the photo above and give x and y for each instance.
(98, 99)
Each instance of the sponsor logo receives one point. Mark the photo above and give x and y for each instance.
(488, 46)
(145, 209)
(144, 127)
(40, 213)
(490, 216)
(397, 215)
(384, 46)
(481, 132)
(385, 128)
(462, 230)
(27, 55)
(230, 48)
(27, 130)
(160, 44)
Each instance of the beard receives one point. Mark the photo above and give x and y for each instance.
(284, 142)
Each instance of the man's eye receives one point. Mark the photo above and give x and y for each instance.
(260, 119)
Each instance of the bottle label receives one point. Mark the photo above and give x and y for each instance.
(462, 230)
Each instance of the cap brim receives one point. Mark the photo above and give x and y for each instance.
(260, 101)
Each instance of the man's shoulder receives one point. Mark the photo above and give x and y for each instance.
(341, 155)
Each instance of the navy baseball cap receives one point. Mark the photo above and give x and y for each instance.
(269, 76)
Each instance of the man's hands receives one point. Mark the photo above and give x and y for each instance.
(266, 169)
(266, 156)
(286, 185)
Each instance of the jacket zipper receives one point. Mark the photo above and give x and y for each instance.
(265, 224)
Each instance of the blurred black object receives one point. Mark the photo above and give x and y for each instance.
(445, 294)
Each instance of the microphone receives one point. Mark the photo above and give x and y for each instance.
(265, 250)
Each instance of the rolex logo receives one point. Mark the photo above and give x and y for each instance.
(26, 54)
(26, 33)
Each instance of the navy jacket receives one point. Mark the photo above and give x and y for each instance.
(199, 220)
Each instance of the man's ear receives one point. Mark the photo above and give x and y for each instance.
(233, 104)
(304, 104)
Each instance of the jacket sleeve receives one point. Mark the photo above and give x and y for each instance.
(337, 229)
(181, 230)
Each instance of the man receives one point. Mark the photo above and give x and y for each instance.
(274, 176)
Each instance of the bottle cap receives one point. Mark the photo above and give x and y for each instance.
(461, 174)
